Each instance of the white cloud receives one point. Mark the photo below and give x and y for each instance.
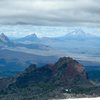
(51, 12)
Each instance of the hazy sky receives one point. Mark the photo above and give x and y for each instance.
(50, 12)
(43, 31)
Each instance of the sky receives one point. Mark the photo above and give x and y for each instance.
(22, 17)
(51, 12)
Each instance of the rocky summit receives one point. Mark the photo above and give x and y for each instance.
(65, 72)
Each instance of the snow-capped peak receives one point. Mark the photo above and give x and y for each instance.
(79, 33)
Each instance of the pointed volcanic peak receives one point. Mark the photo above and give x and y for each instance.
(34, 36)
(79, 34)
(4, 38)
(65, 72)
(31, 37)
(70, 72)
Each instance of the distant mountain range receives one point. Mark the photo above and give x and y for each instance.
(76, 34)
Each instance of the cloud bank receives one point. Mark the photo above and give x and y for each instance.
(50, 12)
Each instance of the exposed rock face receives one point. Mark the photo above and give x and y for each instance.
(65, 72)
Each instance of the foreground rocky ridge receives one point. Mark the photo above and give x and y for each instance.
(57, 80)
(65, 72)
